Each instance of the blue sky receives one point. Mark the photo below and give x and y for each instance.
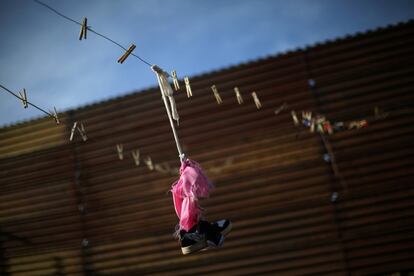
(41, 52)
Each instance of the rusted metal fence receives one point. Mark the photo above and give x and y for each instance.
(74, 208)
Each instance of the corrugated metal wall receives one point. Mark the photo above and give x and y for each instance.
(74, 208)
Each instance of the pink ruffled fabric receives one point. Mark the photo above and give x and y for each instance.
(192, 185)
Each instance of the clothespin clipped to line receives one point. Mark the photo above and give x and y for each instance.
(120, 151)
(312, 126)
(23, 98)
(281, 108)
(84, 28)
(216, 94)
(82, 132)
(126, 54)
(81, 129)
(135, 155)
(319, 123)
(322, 125)
(72, 132)
(256, 100)
(55, 116)
(327, 127)
(175, 80)
(294, 117)
(238, 95)
(308, 121)
(358, 124)
(188, 87)
(148, 162)
(307, 118)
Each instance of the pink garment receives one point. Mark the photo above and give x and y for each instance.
(192, 185)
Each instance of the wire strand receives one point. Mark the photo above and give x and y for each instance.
(91, 30)
(29, 103)
(58, 13)
(334, 165)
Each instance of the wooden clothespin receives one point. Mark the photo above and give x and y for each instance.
(306, 118)
(72, 131)
(80, 128)
(82, 132)
(294, 117)
(312, 126)
(238, 95)
(319, 122)
(126, 54)
(120, 151)
(135, 155)
(175, 80)
(256, 100)
(281, 108)
(188, 87)
(216, 94)
(358, 124)
(327, 127)
(363, 123)
(23, 98)
(148, 162)
(353, 124)
(55, 115)
(84, 28)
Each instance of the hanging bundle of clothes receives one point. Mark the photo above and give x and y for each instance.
(194, 232)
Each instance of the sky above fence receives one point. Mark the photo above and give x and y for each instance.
(41, 52)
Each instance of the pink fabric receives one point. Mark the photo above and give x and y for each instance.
(192, 185)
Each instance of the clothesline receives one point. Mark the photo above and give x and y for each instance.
(29, 103)
(318, 123)
(93, 31)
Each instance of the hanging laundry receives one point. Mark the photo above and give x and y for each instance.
(194, 233)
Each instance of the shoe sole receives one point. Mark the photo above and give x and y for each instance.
(194, 248)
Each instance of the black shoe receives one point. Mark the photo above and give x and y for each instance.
(214, 238)
(222, 226)
(192, 241)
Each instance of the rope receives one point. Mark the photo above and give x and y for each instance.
(91, 30)
(160, 74)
